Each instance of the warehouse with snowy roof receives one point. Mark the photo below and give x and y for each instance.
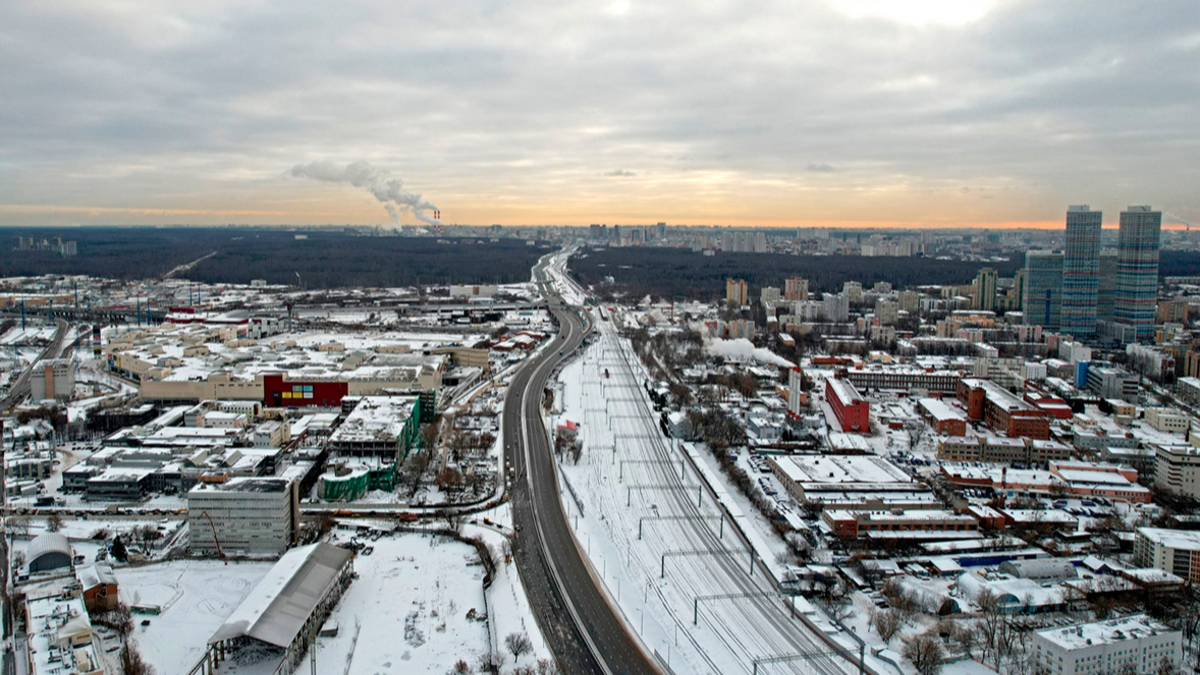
(280, 617)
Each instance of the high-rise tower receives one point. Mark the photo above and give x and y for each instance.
(983, 289)
(1042, 302)
(1081, 272)
(1137, 269)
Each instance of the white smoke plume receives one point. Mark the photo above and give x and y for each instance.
(378, 182)
(742, 349)
(1171, 217)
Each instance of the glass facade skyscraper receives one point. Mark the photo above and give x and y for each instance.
(1042, 300)
(1137, 270)
(1081, 272)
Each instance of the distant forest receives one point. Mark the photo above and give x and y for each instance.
(326, 259)
(681, 273)
(1178, 263)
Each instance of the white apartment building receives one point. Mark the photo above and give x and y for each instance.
(1174, 551)
(243, 515)
(1105, 647)
(1177, 469)
(54, 378)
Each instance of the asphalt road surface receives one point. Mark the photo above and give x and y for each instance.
(580, 626)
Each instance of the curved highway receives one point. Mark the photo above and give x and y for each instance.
(579, 624)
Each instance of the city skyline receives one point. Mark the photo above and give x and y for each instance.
(843, 113)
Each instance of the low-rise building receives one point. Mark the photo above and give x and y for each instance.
(944, 418)
(1188, 389)
(60, 637)
(1109, 382)
(1136, 644)
(98, 585)
(53, 378)
(1003, 411)
(1111, 481)
(998, 449)
(1168, 420)
(378, 426)
(914, 525)
(905, 379)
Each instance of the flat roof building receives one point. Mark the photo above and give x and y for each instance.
(1135, 644)
(1174, 551)
(243, 515)
(1003, 411)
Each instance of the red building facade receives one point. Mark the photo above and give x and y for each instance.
(1003, 411)
(852, 411)
(280, 392)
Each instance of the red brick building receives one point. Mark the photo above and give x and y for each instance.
(1003, 411)
(944, 418)
(851, 410)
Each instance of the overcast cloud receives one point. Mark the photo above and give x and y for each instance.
(709, 112)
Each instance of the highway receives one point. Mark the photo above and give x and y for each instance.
(580, 625)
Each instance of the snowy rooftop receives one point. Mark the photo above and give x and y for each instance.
(375, 418)
(1104, 632)
(246, 484)
(1188, 540)
(844, 391)
(839, 469)
(999, 396)
(280, 604)
(940, 410)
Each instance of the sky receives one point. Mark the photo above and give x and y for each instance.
(917, 113)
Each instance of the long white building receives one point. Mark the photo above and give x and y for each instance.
(1106, 647)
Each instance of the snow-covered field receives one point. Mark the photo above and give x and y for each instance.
(408, 610)
(196, 596)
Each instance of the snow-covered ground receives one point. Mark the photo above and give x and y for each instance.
(408, 610)
(196, 596)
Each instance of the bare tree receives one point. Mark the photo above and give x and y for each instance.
(489, 662)
(132, 662)
(55, 522)
(1166, 667)
(926, 653)
(18, 528)
(518, 644)
(461, 667)
(886, 622)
